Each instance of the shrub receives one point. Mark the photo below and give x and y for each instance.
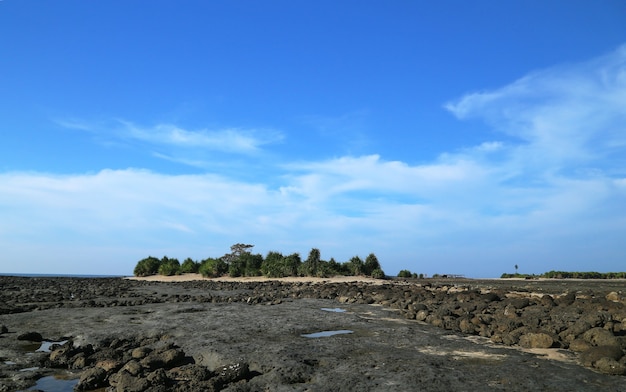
(404, 274)
(189, 266)
(212, 268)
(378, 274)
(148, 266)
(169, 266)
(371, 264)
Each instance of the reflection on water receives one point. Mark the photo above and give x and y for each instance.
(324, 334)
(55, 383)
(45, 345)
(336, 310)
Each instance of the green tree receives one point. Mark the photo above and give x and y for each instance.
(292, 264)
(213, 268)
(252, 264)
(371, 264)
(148, 266)
(404, 274)
(312, 262)
(189, 266)
(274, 265)
(356, 266)
(169, 266)
(236, 251)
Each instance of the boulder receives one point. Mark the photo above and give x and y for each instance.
(594, 354)
(600, 337)
(536, 340)
(31, 337)
(92, 378)
(610, 366)
(579, 345)
(123, 381)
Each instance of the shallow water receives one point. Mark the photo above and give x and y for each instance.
(336, 310)
(45, 346)
(324, 334)
(55, 383)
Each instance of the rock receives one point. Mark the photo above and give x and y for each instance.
(579, 345)
(132, 367)
(31, 336)
(565, 299)
(166, 359)
(614, 296)
(109, 365)
(92, 378)
(600, 337)
(3, 329)
(536, 340)
(123, 381)
(593, 354)
(231, 373)
(141, 352)
(610, 366)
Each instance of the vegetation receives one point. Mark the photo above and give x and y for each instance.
(568, 275)
(242, 262)
(408, 274)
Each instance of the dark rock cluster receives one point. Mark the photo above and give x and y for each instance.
(147, 364)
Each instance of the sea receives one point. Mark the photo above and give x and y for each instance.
(61, 275)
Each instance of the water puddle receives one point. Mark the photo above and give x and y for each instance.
(10, 363)
(336, 310)
(30, 369)
(55, 383)
(324, 334)
(46, 345)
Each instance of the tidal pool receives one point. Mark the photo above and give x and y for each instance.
(324, 334)
(336, 310)
(55, 383)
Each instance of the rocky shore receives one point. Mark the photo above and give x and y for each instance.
(434, 335)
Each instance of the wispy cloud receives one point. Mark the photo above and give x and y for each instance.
(226, 140)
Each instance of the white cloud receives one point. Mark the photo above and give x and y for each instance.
(227, 140)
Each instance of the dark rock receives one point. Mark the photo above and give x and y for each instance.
(92, 378)
(231, 373)
(536, 340)
(592, 355)
(600, 337)
(3, 329)
(610, 366)
(123, 381)
(31, 336)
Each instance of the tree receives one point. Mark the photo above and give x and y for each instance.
(516, 267)
(404, 274)
(236, 251)
(312, 262)
(212, 268)
(292, 264)
(274, 265)
(356, 266)
(189, 266)
(371, 264)
(252, 264)
(148, 266)
(169, 266)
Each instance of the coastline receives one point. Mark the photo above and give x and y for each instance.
(244, 279)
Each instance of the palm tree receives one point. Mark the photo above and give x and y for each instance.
(516, 267)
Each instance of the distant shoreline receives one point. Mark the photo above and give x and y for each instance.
(289, 279)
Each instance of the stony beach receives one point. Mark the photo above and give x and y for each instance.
(346, 334)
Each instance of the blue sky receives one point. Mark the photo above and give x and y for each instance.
(446, 137)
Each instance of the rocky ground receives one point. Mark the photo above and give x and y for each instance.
(445, 335)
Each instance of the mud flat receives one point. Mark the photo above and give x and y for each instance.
(401, 335)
